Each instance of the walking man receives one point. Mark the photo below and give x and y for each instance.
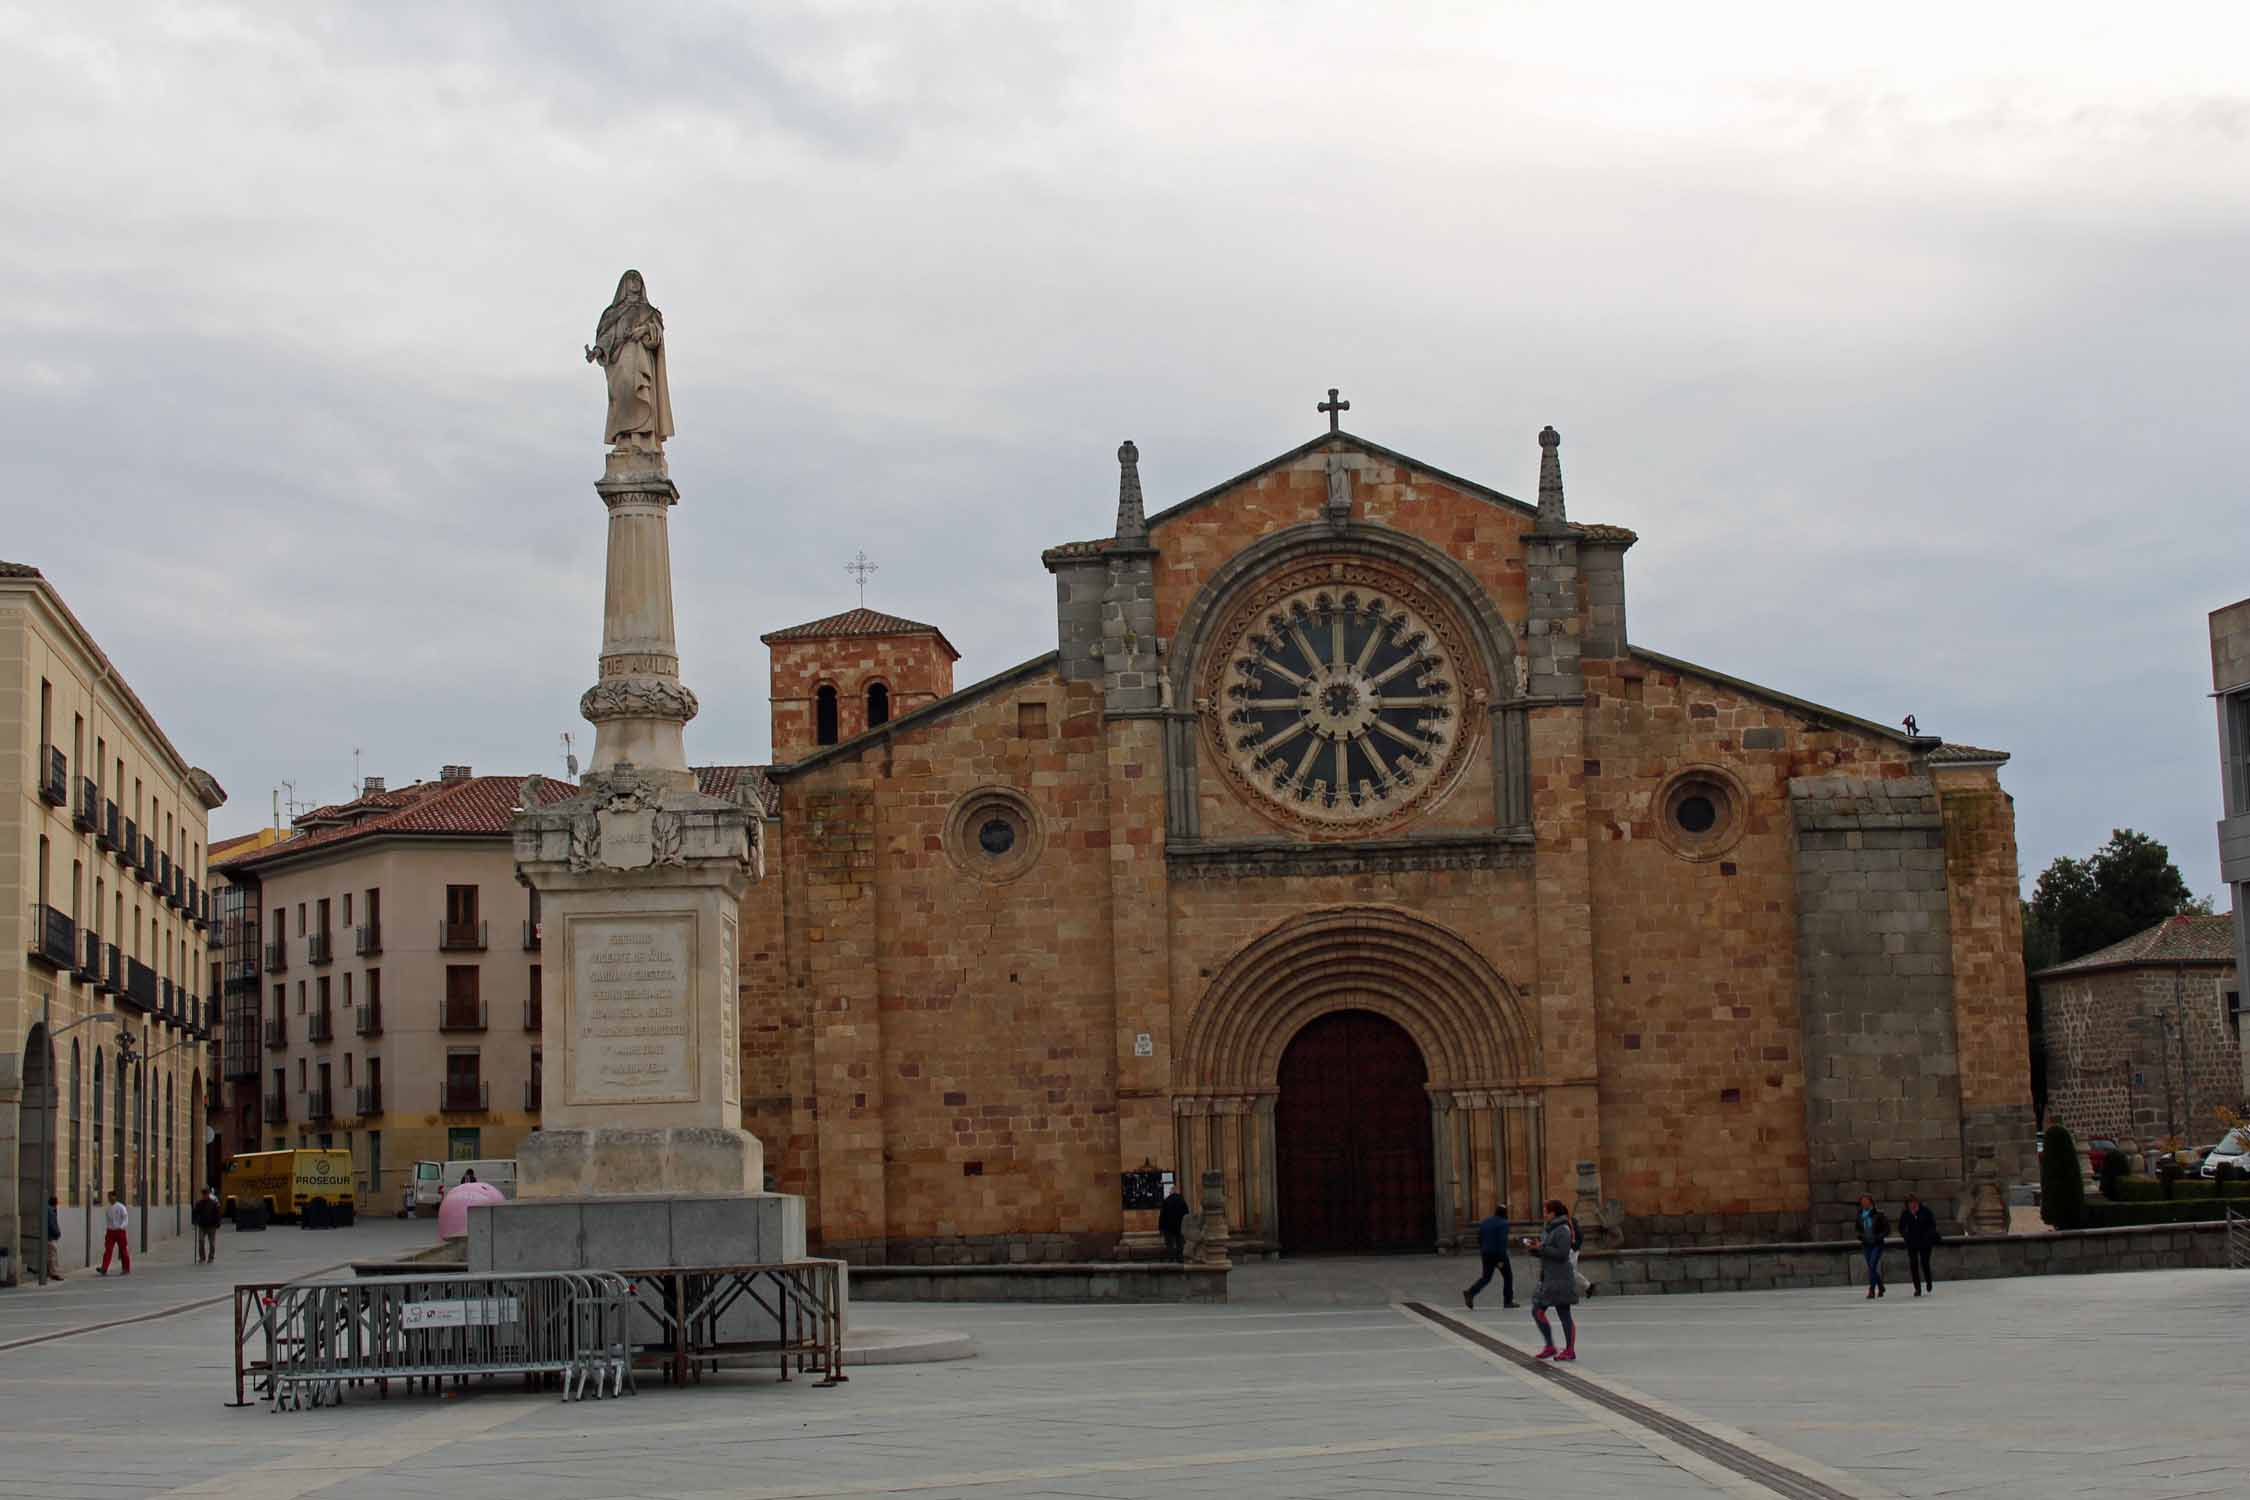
(1492, 1240)
(1874, 1228)
(54, 1239)
(1171, 1221)
(207, 1217)
(114, 1237)
(1557, 1288)
(1918, 1226)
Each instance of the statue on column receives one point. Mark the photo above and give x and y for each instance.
(629, 346)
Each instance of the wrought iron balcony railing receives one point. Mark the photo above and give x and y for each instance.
(54, 938)
(54, 776)
(462, 1015)
(465, 1093)
(462, 937)
(86, 814)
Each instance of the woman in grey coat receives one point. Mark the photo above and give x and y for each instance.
(1558, 1289)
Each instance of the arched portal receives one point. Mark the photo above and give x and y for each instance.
(1352, 1137)
(1464, 1021)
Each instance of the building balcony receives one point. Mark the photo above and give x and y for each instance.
(462, 937)
(129, 847)
(54, 776)
(276, 1109)
(535, 1014)
(530, 936)
(144, 862)
(90, 958)
(106, 836)
(140, 985)
(531, 1094)
(367, 940)
(54, 938)
(320, 947)
(277, 1033)
(369, 1020)
(465, 1094)
(461, 1016)
(112, 981)
(163, 1010)
(320, 1026)
(317, 1105)
(277, 955)
(197, 908)
(369, 1098)
(86, 813)
(164, 885)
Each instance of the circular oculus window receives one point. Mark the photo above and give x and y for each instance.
(1699, 813)
(1337, 699)
(993, 833)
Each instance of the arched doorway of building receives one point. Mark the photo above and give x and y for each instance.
(1352, 1137)
(35, 1116)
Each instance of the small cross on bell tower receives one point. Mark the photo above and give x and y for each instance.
(1333, 407)
(859, 567)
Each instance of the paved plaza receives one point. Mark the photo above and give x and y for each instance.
(1317, 1380)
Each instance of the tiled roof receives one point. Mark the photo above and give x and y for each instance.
(856, 622)
(1965, 755)
(217, 853)
(721, 781)
(2185, 939)
(481, 806)
(19, 570)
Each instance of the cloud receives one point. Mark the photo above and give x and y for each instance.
(1905, 340)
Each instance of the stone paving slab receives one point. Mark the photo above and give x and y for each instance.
(2034, 1387)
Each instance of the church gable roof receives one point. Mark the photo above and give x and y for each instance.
(1067, 552)
(857, 622)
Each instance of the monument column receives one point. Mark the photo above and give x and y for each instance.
(640, 877)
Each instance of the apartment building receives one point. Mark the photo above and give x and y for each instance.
(387, 964)
(105, 1018)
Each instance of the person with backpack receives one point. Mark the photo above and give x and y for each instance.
(1874, 1229)
(1918, 1226)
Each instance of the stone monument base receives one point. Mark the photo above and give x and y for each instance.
(609, 1161)
(637, 1233)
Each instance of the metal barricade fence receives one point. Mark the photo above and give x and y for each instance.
(2238, 1240)
(316, 1337)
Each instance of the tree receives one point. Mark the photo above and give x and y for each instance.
(2077, 906)
(2062, 1193)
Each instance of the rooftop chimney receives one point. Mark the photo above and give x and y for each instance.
(453, 773)
(370, 784)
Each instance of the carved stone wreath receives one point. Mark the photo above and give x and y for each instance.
(637, 698)
(630, 804)
(1341, 697)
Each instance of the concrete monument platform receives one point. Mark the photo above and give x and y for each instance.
(637, 1231)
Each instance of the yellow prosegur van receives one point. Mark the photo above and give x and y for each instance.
(287, 1180)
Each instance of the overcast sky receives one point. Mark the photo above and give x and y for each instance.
(1909, 338)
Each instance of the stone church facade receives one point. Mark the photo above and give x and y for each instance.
(1346, 845)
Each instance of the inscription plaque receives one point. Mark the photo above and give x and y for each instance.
(632, 1009)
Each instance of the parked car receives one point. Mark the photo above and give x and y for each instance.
(2235, 1149)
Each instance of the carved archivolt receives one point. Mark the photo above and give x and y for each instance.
(637, 698)
(1467, 1019)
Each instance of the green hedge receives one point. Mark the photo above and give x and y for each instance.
(2149, 1190)
(2177, 1211)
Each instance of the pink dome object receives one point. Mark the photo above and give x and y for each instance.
(453, 1208)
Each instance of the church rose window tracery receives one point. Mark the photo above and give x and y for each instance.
(1340, 696)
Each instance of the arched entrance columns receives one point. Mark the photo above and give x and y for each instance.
(1486, 1127)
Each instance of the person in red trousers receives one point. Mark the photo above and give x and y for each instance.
(114, 1237)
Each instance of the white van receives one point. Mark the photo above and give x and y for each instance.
(431, 1180)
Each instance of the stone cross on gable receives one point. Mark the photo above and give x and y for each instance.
(1332, 407)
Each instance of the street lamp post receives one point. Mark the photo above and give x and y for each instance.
(47, 1145)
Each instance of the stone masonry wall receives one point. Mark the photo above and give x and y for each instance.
(1699, 1040)
(1984, 914)
(1875, 993)
(2111, 1069)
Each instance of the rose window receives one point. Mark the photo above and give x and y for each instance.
(1340, 703)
